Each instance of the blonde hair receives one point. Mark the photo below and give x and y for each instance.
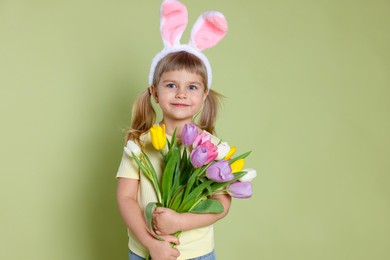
(144, 116)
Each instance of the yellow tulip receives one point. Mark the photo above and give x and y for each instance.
(158, 136)
(230, 153)
(237, 165)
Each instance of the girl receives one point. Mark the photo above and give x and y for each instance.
(180, 89)
(180, 79)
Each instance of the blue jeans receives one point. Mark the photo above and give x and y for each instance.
(209, 256)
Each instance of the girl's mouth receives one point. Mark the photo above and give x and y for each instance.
(179, 105)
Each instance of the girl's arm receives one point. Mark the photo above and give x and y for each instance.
(167, 221)
(132, 215)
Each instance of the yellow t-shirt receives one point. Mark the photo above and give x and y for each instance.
(193, 243)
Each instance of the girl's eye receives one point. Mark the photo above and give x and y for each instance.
(171, 85)
(192, 87)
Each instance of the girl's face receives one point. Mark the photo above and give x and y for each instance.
(180, 95)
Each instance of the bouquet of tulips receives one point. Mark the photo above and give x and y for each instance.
(194, 170)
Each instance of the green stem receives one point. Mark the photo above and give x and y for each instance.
(146, 161)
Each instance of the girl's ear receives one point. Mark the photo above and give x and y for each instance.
(153, 92)
(206, 93)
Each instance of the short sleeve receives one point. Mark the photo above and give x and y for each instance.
(128, 168)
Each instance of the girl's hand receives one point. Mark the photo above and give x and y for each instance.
(166, 221)
(163, 250)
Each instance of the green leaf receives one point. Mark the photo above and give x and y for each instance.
(173, 140)
(154, 177)
(144, 168)
(186, 173)
(217, 185)
(176, 180)
(149, 218)
(191, 181)
(174, 136)
(171, 168)
(209, 191)
(174, 146)
(183, 161)
(177, 198)
(208, 206)
(242, 156)
(194, 196)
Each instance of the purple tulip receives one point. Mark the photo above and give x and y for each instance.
(199, 156)
(220, 171)
(240, 190)
(189, 133)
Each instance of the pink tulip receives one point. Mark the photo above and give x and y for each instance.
(212, 151)
(201, 138)
(240, 190)
(220, 171)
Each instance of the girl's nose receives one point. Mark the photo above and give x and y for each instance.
(181, 93)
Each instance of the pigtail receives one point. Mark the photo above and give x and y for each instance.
(143, 117)
(210, 111)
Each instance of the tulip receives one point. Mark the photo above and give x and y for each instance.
(223, 150)
(201, 138)
(132, 147)
(230, 153)
(199, 156)
(237, 165)
(212, 151)
(220, 171)
(189, 133)
(158, 136)
(240, 190)
(249, 176)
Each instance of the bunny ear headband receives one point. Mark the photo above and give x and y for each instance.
(208, 30)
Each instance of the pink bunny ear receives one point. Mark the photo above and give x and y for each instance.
(174, 18)
(208, 30)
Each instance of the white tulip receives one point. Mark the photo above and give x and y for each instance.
(251, 174)
(223, 149)
(132, 147)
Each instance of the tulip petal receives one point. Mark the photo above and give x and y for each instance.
(237, 165)
(240, 190)
(201, 138)
(249, 176)
(199, 156)
(230, 153)
(132, 147)
(189, 134)
(223, 150)
(220, 171)
(127, 151)
(158, 136)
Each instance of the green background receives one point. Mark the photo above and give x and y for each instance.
(307, 86)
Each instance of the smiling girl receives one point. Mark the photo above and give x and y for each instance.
(179, 82)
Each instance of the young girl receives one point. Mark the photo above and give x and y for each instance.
(180, 80)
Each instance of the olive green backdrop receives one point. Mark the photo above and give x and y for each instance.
(307, 86)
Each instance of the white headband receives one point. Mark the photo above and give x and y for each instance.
(208, 30)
